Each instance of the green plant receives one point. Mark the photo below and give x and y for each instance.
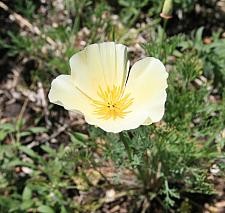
(212, 55)
(131, 10)
(174, 158)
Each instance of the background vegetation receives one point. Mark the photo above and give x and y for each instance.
(51, 161)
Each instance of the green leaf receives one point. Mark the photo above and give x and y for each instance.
(36, 130)
(5, 129)
(63, 209)
(8, 127)
(76, 140)
(27, 193)
(26, 204)
(3, 135)
(25, 133)
(81, 137)
(20, 163)
(48, 149)
(198, 36)
(45, 209)
(28, 151)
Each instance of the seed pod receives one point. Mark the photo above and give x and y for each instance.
(167, 9)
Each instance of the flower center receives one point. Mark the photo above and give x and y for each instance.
(113, 103)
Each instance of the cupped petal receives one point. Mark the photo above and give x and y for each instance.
(104, 64)
(147, 83)
(131, 121)
(64, 93)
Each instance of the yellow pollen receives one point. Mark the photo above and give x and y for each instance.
(113, 103)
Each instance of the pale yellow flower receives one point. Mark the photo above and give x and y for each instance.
(106, 93)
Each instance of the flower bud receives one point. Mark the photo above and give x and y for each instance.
(167, 9)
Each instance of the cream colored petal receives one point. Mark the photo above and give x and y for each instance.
(103, 64)
(147, 83)
(64, 93)
(131, 121)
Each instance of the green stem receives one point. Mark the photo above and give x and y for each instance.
(125, 139)
(164, 26)
(163, 39)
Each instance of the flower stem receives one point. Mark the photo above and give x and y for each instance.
(125, 140)
(164, 28)
(163, 39)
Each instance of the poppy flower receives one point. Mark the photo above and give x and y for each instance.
(107, 93)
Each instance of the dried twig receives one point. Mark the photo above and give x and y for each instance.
(62, 129)
(44, 103)
(23, 22)
(20, 116)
